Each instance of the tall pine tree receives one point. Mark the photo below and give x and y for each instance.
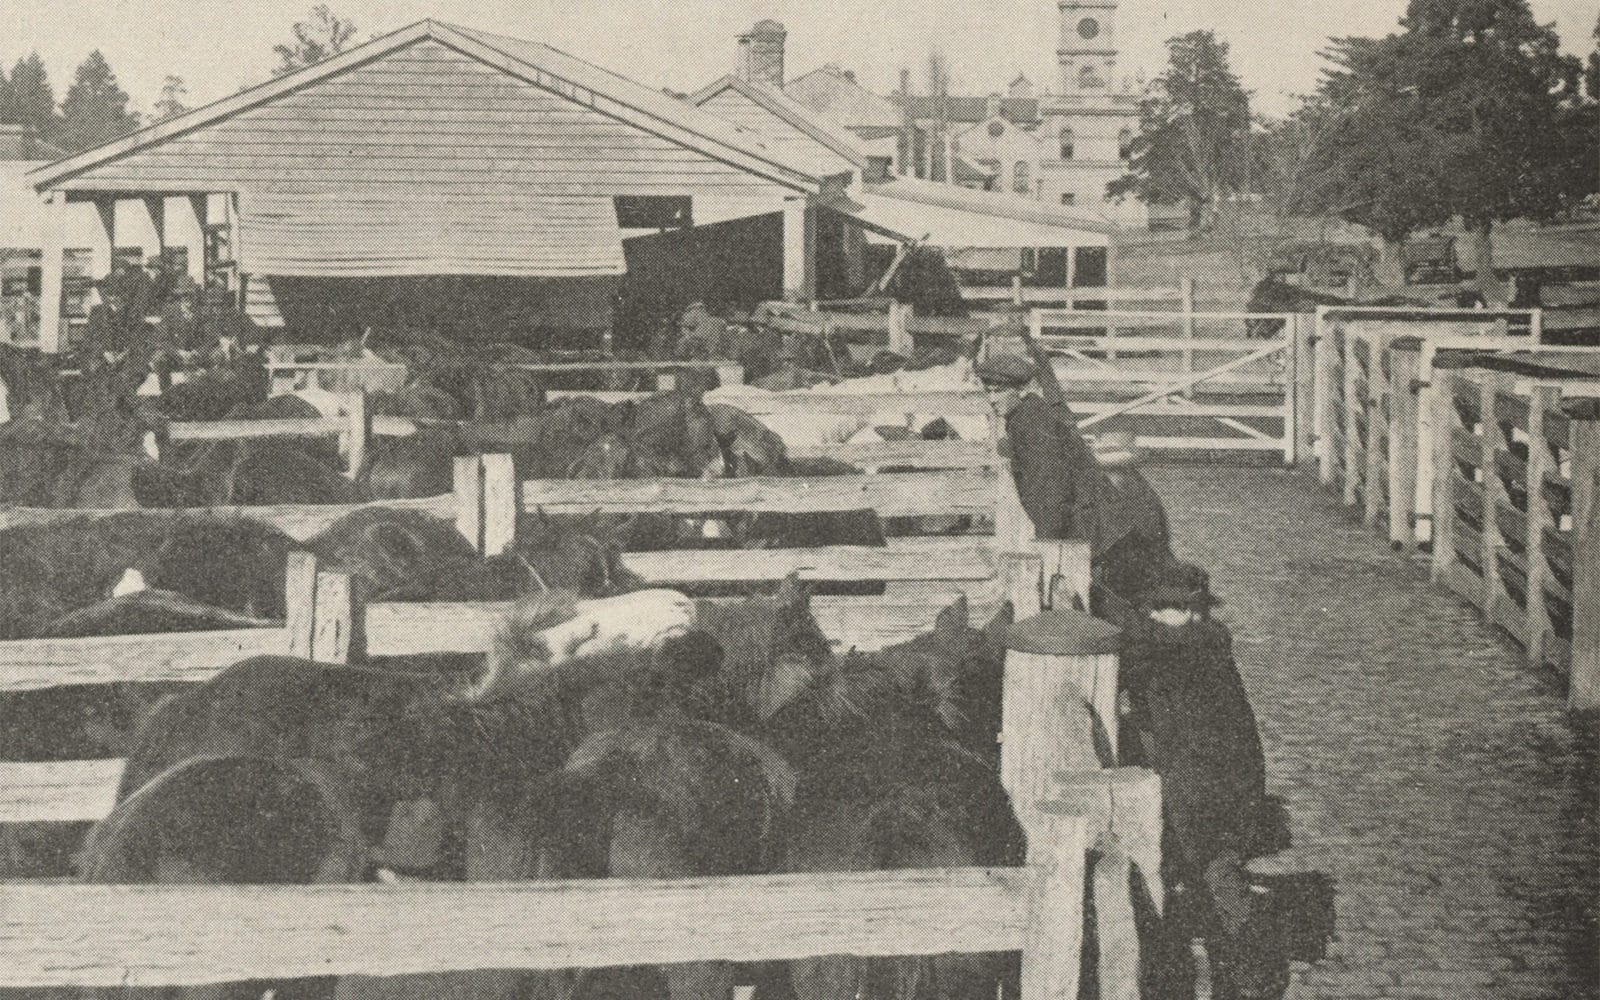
(29, 100)
(96, 108)
(1194, 132)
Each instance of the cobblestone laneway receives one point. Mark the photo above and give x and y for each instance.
(1427, 768)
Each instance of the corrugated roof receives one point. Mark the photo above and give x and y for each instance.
(551, 68)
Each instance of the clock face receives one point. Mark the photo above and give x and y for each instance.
(1088, 28)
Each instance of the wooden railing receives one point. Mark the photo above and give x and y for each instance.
(1435, 443)
(182, 935)
(1017, 294)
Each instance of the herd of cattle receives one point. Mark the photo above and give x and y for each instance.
(733, 740)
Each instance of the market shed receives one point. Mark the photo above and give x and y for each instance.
(979, 231)
(429, 161)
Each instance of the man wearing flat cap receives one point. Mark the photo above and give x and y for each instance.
(1057, 479)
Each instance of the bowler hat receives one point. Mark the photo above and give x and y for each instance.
(1004, 369)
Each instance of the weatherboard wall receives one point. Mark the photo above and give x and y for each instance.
(426, 161)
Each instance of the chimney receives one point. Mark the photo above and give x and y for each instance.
(761, 54)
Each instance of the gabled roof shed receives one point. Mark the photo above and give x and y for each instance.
(434, 150)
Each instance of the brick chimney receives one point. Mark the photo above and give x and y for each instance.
(761, 54)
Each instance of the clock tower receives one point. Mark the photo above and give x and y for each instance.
(1087, 49)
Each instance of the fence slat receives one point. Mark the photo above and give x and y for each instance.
(956, 559)
(32, 664)
(189, 935)
(65, 791)
(908, 494)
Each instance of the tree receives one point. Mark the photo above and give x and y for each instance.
(320, 35)
(1467, 112)
(1193, 132)
(171, 102)
(95, 109)
(30, 101)
(1591, 73)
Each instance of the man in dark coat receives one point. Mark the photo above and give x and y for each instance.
(1190, 720)
(1058, 482)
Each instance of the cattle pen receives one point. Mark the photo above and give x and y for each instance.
(1088, 824)
(1091, 825)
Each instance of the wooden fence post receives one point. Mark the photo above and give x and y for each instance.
(1059, 704)
(1016, 290)
(1018, 575)
(1123, 809)
(900, 341)
(1583, 691)
(1541, 400)
(1443, 408)
(500, 505)
(730, 374)
(1065, 571)
(1493, 491)
(1304, 438)
(1052, 950)
(1405, 358)
(1186, 292)
(300, 602)
(467, 488)
(666, 381)
(1352, 438)
(1322, 394)
(336, 636)
(359, 429)
(1377, 454)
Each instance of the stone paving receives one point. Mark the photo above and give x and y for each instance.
(1427, 768)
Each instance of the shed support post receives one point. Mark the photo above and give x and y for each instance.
(104, 236)
(799, 249)
(359, 423)
(51, 272)
(500, 504)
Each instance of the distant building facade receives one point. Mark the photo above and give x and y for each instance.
(1062, 145)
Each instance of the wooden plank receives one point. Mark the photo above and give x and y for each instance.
(1584, 681)
(131, 936)
(1225, 345)
(31, 664)
(971, 403)
(960, 559)
(1466, 447)
(907, 494)
(394, 629)
(240, 430)
(67, 791)
(1512, 408)
(1172, 443)
(298, 521)
(915, 453)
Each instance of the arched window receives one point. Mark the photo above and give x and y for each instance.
(1021, 179)
(1067, 141)
(1125, 144)
(1089, 79)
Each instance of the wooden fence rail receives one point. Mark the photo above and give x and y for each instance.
(1435, 441)
(181, 935)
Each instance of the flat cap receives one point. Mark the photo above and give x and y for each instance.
(1006, 369)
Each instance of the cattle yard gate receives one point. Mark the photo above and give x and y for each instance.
(1090, 824)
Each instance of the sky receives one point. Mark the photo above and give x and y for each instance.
(218, 46)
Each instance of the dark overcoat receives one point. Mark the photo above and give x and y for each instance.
(1198, 731)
